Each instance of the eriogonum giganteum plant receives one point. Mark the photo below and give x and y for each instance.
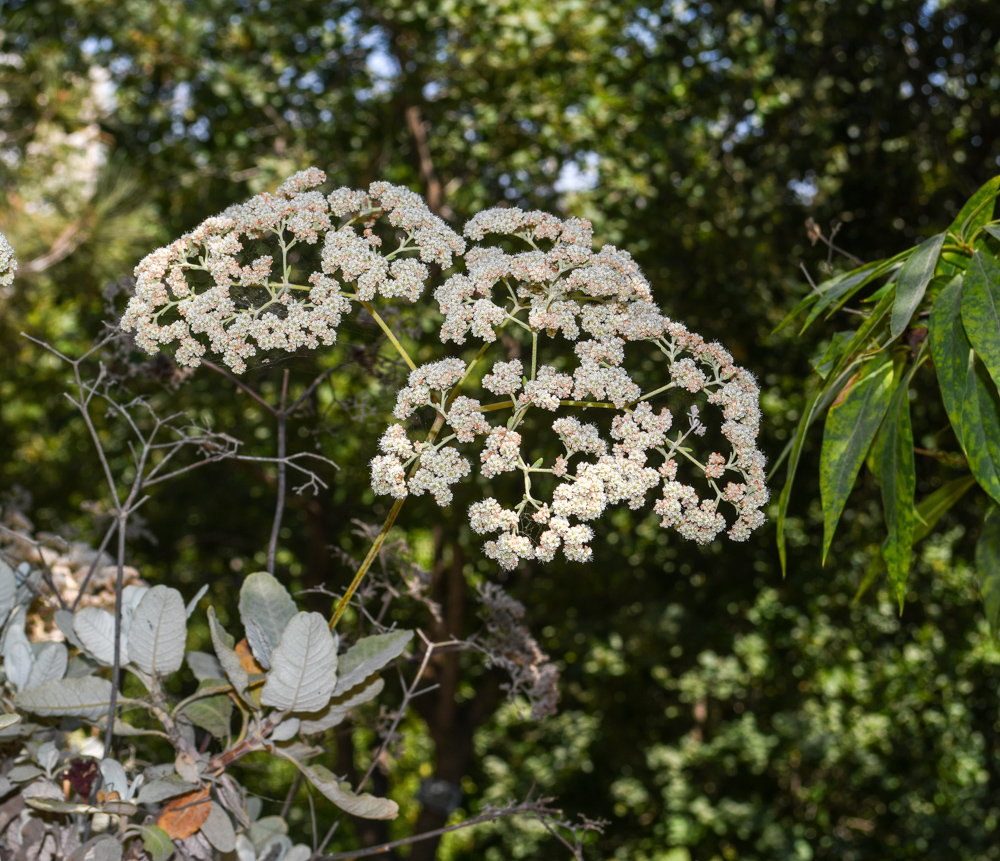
(580, 313)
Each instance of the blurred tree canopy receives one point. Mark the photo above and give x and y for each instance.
(710, 709)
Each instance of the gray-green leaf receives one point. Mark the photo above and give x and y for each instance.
(159, 632)
(366, 806)
(86, 698)
(368, 656)
(265, 606)
(334, 714)
(8, 591)
(218, 829)
(50, 664)
(96, 629)
(303, 666)
(223, 644)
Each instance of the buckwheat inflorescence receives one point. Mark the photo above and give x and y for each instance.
(8, 262)
(584, 312)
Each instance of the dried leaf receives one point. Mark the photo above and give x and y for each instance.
(247, 660)
(184, 815)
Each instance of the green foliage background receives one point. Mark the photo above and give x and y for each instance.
(710, 708)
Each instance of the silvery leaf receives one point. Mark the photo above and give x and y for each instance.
(303, 666)
(159, 632)
(276, 849)
(87, 698)
(16, 650)
(267, 604)
(218, 829)
(334, 714)
(223, 644)
(368, 656)
(132, 596)
(266, 829)
(96, 629)
(299, 852)
(64, 622)
(285, 730)
(205, 666)
(366, 806)
(192, 605)
(47, 756)
(244, 849)
(114, 778)
(259, 644)
(23, 773)
(8, 720)
(50, 664)
(8, 590)
(29, 581)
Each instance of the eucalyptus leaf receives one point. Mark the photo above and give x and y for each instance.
(159, 632)
(981, 310)
(156, 842)
(335, 713)
(266, 606)
(218, 829)
(988, 568)
(898, 487)
(230, 661)
(912, 282)
(96, 630)
(50, 664)
(303, 666)
(368, 656)
(851, 425)
(88, 698)
(365, 806)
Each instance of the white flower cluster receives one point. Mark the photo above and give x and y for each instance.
(8, 262)
(583, 311)
(200, 291)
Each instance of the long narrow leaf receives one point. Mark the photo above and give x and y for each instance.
(898, 487)
(988, 568)
(962, 390)
(912, 283)
(978, 209)
(934, 506)
(981, 310)
(851, 426)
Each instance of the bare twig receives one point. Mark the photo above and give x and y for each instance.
(279, 509)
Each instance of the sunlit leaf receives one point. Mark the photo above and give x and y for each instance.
(912, 282)
(978, 209)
